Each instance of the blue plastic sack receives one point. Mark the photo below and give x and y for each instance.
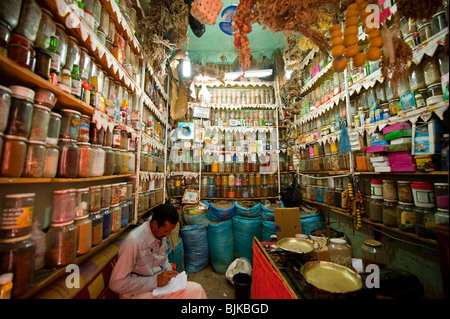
(177, 255)
(220, 214)
(252, 212)
(311, 222)
(244, 229)
(267, 213)
(195, 219)
(195, 244)
(221, 245)
(267, 229)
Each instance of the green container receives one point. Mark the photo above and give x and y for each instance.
(398, 134)
(399, 147)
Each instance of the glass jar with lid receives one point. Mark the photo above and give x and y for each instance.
(106, 191)
(116, 215)
(404, 192)
(61, 244)
(124, 214)
(17, 255)
(441, 216)
(70, 124)
(5, 105)
(85, 161)
(21, 111)
(68, 158)
(47, 28)
(54, 125)
(109, 161)
(13, 157)
(83, 131)
(106, 214)
(64, 205)
(34, 160)
(30, 17)
(390, 213)
(389, 189)
(424, 220)
(125, 161)
(117, 161)
(39, 123)
(17, 215)
(97, 227)
(431, 70)
(95, 193)
(73, 53)
(416, 77)
(96, 134)
(82, 208)
(98, 162)
(372, 252)
(405, 217)
(62, 44)
(115, 193)
(84, 234)
(339, 252)
(439, 22)
(51, 161)
(376, 210)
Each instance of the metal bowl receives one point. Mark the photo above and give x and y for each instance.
(296, 245)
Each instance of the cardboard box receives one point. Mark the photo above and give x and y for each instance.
(287, 222)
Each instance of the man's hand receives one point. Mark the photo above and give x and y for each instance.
(164, 277)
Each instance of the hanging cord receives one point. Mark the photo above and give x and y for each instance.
(324, 177)
(401, 240)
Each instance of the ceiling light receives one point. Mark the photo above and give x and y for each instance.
(186, 66)
(248, 74)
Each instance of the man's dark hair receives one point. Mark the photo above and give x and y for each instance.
(165, 212)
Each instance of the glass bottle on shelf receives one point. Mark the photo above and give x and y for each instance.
(372, 252)
(339, 252)
(76, 82)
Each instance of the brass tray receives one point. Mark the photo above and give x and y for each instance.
(331, 277)
(296, 245)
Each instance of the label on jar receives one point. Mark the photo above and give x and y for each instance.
(420, 101)
(424, 197)
(55, 61)
(84, 128)
(15, 218)
(377, 191)
(407, 219)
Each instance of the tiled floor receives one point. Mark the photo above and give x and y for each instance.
(216, 286)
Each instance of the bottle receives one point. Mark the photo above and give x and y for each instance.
(76, 81)
(55, 55)
(38, 236)
(6, 285)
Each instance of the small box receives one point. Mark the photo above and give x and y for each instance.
(398, 134)
(407, 103)
(385, 169)
(396, 127)
(287, 222)
(380, 143)
(407, 168)
(379, 159)
(376, 149)
(381, 164)
(426, 137)
(401, 140)
(399, 147)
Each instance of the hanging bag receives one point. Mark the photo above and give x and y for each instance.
(291, 196)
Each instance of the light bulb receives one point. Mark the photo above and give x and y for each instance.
(186, 67)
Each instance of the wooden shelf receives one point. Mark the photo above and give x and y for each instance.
(403, 173)
(24, 180)
(14, 74)
(249, 198)
(343, 172)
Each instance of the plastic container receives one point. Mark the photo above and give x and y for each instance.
(404, 192)
(68, 158)
(5, 105)
(376, 189)
(441, 217)
(97, 227)
(17, 257)
(34, 160)
(64, 205)
(17, 215)
(423, 194)
(339, 252)
(372, 252)
(21, 111)
(376, 210)
(51, 161)
(61, 244)
(39, 238)
(70, 124)
(416, 77)
(13, 155)
(425, 219)
(431, 71)
(98, 161)
(54, 126)
(405, 217)
(390, 213)
(106, 196)
(441, 193)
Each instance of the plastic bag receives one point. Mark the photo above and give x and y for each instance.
(244, 229)
(221, 245)
(239, 265)
(220, 214)
(177, 255)
(291, 196)
(195, 244)
(267, 229)
(252, 212)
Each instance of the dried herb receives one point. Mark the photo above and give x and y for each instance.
(418, 10)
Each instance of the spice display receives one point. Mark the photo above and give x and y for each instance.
(53, 128)
(69, 154)
(106, 196)
(51, 161)
(5, 104)
(17, 257)
(64, 205)
(107, 222)
(404, 192)
(376, 210)
(84, 129)
(82, 208)
(84, 230)
(21, 111)
(98, 160)
(85, 160)
(35, 159)
(13, 155)
(61, 242)
(17, 215)
(95, 198)
(97, 227)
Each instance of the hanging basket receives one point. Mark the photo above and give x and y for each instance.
(206, 11)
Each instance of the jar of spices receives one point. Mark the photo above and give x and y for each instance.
(124, 207)
(123, 140)
(39, 123)
(245, 192)
(441, 195)
(438, 22)
(98, 162)
(251, 180)
(115, 193)
(85, 160)
(51, 161)
(390, 213)
(376, 210)
(109, 161)
(17, 215)
(425, 32)
(5, 105)
(372, 252)
(339, 252)
(83, 132)
(64, 205)
(116, 216)
(96, 134)
(54, 125)
(107, 221)
(70, 124)
(97, 227)
(84, 230)
(95, 194)
(29, 21)
(416, 77)
(108, 138)
(21, 111)
(125, 160)
(441, 216)
(431, 71)
(424, 220)
(34, 160)
(106, 196)
(17, 256)
(404, 192)
(231, 180)
(389, 189)
(405, 217)
(13, 157)
(251, 192)
(117, 161)
(61, 244)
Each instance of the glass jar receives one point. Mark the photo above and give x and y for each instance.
(117, 161)
(438, 22)
(106, 196)
(442, 216)
(73, 53)
(17, 255)
(404, 192)
(53, 128)
(390, 213)
(431, 71)
(47, 28)
(61, 244)
(70, 124)
(83, 131)
(85, 160)
(17, 215)
(319, 194)
(441, 194)
(106, 214)
(123, 140)
(64, 205)
(115, 193)
(68, 158)
(34, 160)
(82, 206)
(21, 111)
(109, 161)
(372, 252)
(51, 161)
(376, 187)
(124, 207)
(97, 227)
(338, 197)
(251, 180)
(339, 252)
(39, 123)
(5, 105)
(95, 195)
(405, 217)
(116, 215)
(62, 44)
(389, 190)
(424, 220)
(108, 138)
(30, 17)
(13, 157)
(376, 210)
(98, 162)
(245, 192)
(84, 231)
(96, 135)
(251, 192)
(416, 77)
(125, 160)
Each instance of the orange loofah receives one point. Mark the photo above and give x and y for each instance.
(350, 40)
(337, 51)
(376, 42)
(340, 64)
(373, 54)
(359, 59)
(352, 50)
